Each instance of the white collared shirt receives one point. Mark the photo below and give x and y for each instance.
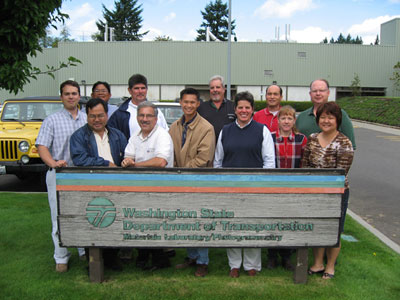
(157, 144)
(267, 148)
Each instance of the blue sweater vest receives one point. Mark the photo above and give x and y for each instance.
(242, 146)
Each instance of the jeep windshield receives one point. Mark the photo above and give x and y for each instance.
(29, 111)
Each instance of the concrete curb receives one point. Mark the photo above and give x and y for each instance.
(395, 247)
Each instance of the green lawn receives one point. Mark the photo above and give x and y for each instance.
(366, 270)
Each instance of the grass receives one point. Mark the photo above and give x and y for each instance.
(366, 270)
(381, 110)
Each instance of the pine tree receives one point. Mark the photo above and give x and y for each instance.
(125, 19)
(215, 16)
(377, 40)
(325, 40)
(341, 39)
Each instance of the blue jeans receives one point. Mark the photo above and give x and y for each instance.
(200, 254)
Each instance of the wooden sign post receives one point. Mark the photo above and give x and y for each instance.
(269, 208)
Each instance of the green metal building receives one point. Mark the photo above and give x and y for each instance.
(172, 66)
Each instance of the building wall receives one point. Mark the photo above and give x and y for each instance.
(170, 92)
(171, 65)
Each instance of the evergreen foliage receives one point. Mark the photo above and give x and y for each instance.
(125, 19)
(215, 16)
(342, 40)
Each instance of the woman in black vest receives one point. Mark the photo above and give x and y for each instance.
(244, 144)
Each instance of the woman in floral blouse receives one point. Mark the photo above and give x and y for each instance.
(329, 149)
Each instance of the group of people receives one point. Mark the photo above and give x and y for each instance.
(217, 133)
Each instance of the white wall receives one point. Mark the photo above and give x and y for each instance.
(171, 92)
(296, 93)
(255, 90)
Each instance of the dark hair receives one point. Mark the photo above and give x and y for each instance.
(137, 79)
(247, 96)
(70, 82)
(103, 83)
(190, 91)
(320, 79)
(280, 89)
(94, 102)
(330, 108)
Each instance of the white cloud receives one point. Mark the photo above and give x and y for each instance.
(152, 34)
(309, 35)
(370, 26)
(192, 34)
(282, 8)
(81, 22)
(170, 17)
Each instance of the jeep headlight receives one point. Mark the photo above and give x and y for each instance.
(23, 146)
(25, 159)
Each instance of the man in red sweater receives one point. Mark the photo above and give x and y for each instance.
(268, 115)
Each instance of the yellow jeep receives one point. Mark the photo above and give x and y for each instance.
(20, 121)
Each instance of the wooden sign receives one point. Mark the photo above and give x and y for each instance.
(199, 207)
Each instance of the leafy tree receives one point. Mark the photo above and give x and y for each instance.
(49, 41)
(22, 24)
(215, 16)
(125, 19)
(162, 38)
(396, 76)
(355, 86)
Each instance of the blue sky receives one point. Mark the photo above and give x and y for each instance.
(310, 20)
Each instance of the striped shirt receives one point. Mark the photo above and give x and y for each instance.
(56, 131)
(338, 154)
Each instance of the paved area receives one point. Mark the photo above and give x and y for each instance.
(375, 179)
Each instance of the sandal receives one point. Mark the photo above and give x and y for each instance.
(311, 272)
(327, 275)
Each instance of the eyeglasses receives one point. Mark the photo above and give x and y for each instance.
(320, 91)
(93, 117)
(148, 116)
(101, 91)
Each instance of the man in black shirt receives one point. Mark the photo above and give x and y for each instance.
(218, 110)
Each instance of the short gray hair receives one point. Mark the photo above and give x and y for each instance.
(217, 77)
(148, 104)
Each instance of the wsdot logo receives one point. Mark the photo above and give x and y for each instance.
(101, 212)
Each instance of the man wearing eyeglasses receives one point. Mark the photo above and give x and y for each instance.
(96, 144)
(151, 146)
(102, 90)
(306, 123)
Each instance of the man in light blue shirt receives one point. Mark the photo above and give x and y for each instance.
(53, 146)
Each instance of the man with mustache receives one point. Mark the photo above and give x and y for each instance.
(151, 146)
